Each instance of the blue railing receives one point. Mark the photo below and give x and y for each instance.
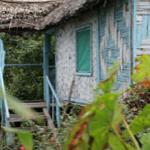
(54, 103)
(50, 96)
(5, 116)
(4, 105)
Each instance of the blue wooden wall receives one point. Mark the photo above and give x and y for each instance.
(142, 22)
(114, 23)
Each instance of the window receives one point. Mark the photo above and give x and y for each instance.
(83, 51)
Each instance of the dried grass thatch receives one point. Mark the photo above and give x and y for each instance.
(37, 14)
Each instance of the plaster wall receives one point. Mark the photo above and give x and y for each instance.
(69, 85)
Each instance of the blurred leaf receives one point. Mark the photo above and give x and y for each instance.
(25, 137)
(143, 69)
(96, 122)
(117, 115)
(115, 143)
(141, 121)
(100, 138)
(145, 140)
(20, 108)
(103, 121)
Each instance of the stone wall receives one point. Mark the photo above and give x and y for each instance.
(143, 27)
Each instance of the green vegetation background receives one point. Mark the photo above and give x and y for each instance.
(26, 83)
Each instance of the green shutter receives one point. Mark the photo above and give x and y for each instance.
(83, 50)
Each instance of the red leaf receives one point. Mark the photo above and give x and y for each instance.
(77, 136)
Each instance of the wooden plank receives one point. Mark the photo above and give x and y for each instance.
(50, 124)
(144, 4)
(35, 104)
(49, 120)
(145, 47)
(16, 118)
(143, 32)
(31, 104)
(143, 8)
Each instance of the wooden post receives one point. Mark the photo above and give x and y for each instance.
(98, 74)
(134, 26)
(46, 70)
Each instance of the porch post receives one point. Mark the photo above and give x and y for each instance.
(134, 30)
(98, 65)
(46, 69)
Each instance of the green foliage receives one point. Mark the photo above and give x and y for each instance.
(20, 108)
(103, 124)
(143, 69)
(100, 123)
(104, 120)
(115, 143)
(142, 121)
(146, 141)
(25, 83)
(139, 95)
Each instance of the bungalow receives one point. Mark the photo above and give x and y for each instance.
(91, 35)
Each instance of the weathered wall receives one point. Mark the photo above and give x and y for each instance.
(67, 81)
(115, 40)
(143, 27)
(114, 35)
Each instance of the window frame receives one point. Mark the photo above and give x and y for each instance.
(80, 29)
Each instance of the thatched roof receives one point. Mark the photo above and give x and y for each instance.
(37, 14)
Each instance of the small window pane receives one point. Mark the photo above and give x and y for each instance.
(83, 51)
